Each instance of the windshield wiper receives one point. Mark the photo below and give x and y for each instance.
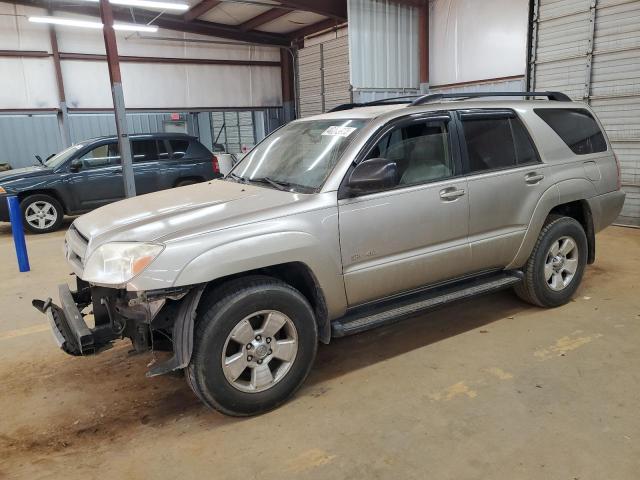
(39, 159)
(279, 185)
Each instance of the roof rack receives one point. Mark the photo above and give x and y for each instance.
(435, 97)
(382, 101)
(413, 100)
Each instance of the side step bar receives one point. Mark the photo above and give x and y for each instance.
(398, 308)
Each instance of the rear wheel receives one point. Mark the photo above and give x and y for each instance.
(255, 341)
(41, 213)
(555, 268)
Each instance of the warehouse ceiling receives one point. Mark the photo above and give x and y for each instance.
(260, 21)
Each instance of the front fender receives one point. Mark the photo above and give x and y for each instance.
(251, 253)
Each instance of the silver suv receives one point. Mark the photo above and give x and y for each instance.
(336, 224)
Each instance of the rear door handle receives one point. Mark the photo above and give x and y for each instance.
(533, 177)
(451, 193)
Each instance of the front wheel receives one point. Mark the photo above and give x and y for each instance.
(41, 213)
(556, 265)
(254, 344)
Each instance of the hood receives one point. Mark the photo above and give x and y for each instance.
(172, 214)
(25, 172)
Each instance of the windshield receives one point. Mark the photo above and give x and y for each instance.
(299, 155)
(59, 158)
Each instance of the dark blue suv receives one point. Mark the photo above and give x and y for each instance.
(88, 175)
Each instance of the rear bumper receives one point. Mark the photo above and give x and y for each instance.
(606, 208)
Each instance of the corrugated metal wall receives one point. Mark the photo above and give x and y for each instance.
(90, 125)
(323, 76)
(23, 136)
(590, 49)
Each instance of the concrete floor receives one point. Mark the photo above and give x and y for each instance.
(492, 388)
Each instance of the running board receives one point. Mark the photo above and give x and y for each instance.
(398, 308)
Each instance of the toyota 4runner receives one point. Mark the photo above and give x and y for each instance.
(339, 223)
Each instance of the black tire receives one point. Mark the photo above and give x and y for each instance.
(220, 311)
(535, 289)
(33, 201)
(184, 183)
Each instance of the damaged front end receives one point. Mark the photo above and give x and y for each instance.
(158, 320)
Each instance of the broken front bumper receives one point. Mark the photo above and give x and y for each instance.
(147, 318)
(69, 329)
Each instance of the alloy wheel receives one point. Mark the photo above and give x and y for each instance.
(41, 215)
(561, 263)
(259, 351)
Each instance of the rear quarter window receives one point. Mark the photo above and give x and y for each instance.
(179, 147)
(576, 127)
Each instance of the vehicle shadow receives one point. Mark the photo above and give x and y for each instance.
(344, 355)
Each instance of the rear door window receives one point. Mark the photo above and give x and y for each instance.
(496, 141)
(179, 148)
(576, 127)
(144, 150)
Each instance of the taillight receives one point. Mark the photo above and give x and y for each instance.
(619, 181)
(215, 164)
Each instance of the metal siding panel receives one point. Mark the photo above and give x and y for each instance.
(614, 83)
(23, 136)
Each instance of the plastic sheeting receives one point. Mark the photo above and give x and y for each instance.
(383, 44)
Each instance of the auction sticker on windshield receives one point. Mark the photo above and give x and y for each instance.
(339, 131)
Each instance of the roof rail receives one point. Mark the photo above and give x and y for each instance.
(382, 101)
(435, 97)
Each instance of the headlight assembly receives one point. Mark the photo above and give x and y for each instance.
(118, 262)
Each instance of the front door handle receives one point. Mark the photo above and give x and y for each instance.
(533, 178)
(451, 193)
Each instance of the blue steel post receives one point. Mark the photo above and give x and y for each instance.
(15, 216)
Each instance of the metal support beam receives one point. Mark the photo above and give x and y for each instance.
(263, 18)
(423, 47)
(533, 54)
(288, 86)
(326, 24)
(200, 9)
(336, 9)
(63, 115)
(124, 143)
(589, 66)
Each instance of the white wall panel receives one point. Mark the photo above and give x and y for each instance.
(27, 83)
(473, 40)
(383, 44)
(172, 86)
(17, 33)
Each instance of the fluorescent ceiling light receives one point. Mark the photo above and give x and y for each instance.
(148, 4)
(72, 22)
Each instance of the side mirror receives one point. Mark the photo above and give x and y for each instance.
(75, 165)
(373, 175)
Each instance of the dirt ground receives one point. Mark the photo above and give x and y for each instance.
(491, 388)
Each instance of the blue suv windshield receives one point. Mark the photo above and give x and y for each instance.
(59, 158)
